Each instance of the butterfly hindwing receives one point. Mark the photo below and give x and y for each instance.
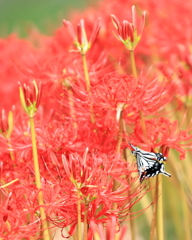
(156, 169)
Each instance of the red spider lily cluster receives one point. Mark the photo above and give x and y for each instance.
(88, 104)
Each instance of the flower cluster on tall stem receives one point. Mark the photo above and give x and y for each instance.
(90, 180)
(83, 45)
(30, 97)
(30, 100)
(129, 33)
(80, 38)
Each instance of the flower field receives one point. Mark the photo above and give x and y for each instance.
(95, 125)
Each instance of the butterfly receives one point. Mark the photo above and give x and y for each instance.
(149, 164)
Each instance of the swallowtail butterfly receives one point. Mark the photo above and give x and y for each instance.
(149, 164)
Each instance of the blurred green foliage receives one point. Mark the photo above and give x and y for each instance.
(46, 15)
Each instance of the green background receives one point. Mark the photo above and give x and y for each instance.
(19, 15)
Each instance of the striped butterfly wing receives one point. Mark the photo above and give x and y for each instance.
(148, 155)
(144, 162)
(149, 163)
(156, 169)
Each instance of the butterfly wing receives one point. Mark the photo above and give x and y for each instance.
(149, 155)
(149, 163)
(144, 163)
(162, 171)
(156, 169)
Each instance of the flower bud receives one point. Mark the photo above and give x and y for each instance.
(128, 33)
(6, 123)
(30, 97)
(80, 39)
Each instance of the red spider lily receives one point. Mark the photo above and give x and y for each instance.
(93, 175)
(30, 98)
(82, 171)
(111, 91)
(17, 220)
(162, 132)
(85, 136)
(80, 39)
(115, 90)
(129, 33)
(180, 64)
(12, 50)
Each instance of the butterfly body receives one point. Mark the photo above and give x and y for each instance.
(149, 164)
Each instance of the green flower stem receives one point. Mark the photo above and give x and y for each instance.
(38, 180)
(134, 72)
(118, 150)
(72, 110)
(159, 220)
(153, 222)
(75, 236)
(9, 148)
(85, 221)
(88, 85)
(132, 220)
(133, 65)
(96, 236)
(143, 123)
(119, 140)
(79, 214)
(132, 226)
(186, 215)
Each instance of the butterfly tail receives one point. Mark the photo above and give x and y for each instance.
(133, 146)
(164, 172)
(142, 177)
